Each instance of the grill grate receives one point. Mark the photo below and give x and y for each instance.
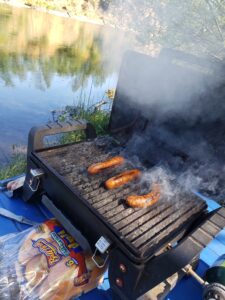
(143, 229)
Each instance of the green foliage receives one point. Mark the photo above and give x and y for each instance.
(72, 137)
(16, 167)
(98, 118)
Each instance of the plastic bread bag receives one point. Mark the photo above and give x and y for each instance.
(45, 262)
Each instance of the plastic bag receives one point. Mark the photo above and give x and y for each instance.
(45, 262)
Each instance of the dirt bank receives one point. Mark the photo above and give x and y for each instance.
(63, 8)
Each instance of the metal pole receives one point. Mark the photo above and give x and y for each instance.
(188, 270)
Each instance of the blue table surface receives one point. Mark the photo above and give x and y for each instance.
(186, 289)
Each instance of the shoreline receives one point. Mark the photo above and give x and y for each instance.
(81, 18)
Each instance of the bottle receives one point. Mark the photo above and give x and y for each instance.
(217, 272)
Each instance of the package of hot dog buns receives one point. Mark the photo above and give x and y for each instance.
(45, 262)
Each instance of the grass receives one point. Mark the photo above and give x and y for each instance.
(15, 167)
(98, 118)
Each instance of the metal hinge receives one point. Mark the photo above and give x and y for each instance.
(102, 247)
(34, 181)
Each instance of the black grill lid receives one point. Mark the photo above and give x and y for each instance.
(146, 85)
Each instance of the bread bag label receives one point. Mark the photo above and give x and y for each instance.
(50, 252)
(59, 241)
(61, 245)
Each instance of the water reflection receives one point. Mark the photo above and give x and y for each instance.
(47, 62)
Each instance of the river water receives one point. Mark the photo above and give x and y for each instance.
(48, 62)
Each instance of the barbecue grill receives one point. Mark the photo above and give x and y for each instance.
(145, 246)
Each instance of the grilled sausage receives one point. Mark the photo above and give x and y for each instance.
(99, 167)
(144, 200)
(122, 179)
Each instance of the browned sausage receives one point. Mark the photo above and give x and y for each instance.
(144, 200)
(98, 167)
(122, 178)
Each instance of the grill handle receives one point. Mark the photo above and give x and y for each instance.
(37, 134)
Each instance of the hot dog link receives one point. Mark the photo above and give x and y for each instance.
(122, 179)
(99, 167)
(149, 199)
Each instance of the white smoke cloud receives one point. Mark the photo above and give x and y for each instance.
(179, 97)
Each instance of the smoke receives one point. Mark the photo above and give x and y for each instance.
(159, 175)
(171, 186)
(177, 113)
(185, 159)
(174, 100)
(193, 26)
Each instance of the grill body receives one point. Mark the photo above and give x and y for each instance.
(139, 237)
(190, 230)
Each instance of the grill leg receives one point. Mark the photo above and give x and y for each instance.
(160, 291)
